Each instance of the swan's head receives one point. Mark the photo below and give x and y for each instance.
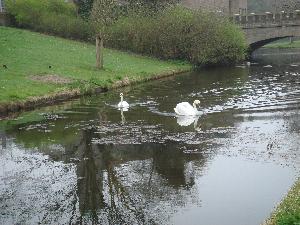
(196, 102)
(121, 94)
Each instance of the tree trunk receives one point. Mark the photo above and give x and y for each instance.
(99, 52)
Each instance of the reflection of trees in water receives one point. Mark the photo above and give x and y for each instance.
(99, 187)
(3, 139)
(278, 57)
(294, 121)
(89, 183)
(104, 192)
(170, 162)
(121, 184)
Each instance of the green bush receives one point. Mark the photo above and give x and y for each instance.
(178, 33)
(173, 32)
(50, 16)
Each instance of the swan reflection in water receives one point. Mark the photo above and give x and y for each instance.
(123, 120)
(185, 121)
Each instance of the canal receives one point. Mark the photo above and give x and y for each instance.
(86, 162)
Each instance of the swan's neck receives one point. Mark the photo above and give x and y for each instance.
(121, 99)
(195, 106)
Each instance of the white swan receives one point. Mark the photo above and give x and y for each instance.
(122, 103)
(185, 121)
(186, 109)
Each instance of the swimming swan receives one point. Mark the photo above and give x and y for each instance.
(123, 104)
(186, 109)
(185, 121)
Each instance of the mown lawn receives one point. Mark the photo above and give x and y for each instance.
(287, 44)
(26, 53)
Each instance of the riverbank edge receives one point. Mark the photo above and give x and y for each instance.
(283, 46)
(288, 202)
(16, 106)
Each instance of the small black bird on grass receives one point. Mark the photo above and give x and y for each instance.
(50, 66)
(4, 66)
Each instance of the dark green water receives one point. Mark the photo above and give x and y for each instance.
(86, 162)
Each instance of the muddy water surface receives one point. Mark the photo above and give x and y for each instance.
(86, 162)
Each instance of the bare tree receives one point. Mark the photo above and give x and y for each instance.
(103, 15)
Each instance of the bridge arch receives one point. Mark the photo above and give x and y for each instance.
(258, 37)
(256, 45)
(261, 29)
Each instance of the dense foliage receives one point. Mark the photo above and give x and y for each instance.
(84, 7)
(168, 32)
(55, 17)
(178, 33)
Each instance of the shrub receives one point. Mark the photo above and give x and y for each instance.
(50, 16)
(65, 26)
(178, 33)
(173, 32)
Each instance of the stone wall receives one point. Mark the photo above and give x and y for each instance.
(226, 6)
(259, 6)
(238, 7)
(2, 6)
(212, 5)
(4, 19)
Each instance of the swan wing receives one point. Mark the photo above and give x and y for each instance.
(185, 121)
(123, 104)
(184, 109)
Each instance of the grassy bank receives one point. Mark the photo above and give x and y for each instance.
(166, 31)
(37, 68)
(288, 212)
(294, 44)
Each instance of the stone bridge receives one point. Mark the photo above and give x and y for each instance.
(261, 29)
(4, 19)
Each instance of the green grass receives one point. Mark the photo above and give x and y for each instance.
(27, 53)
(288, 212)
(294, 44)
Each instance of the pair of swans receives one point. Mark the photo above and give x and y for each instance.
(182, 109)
